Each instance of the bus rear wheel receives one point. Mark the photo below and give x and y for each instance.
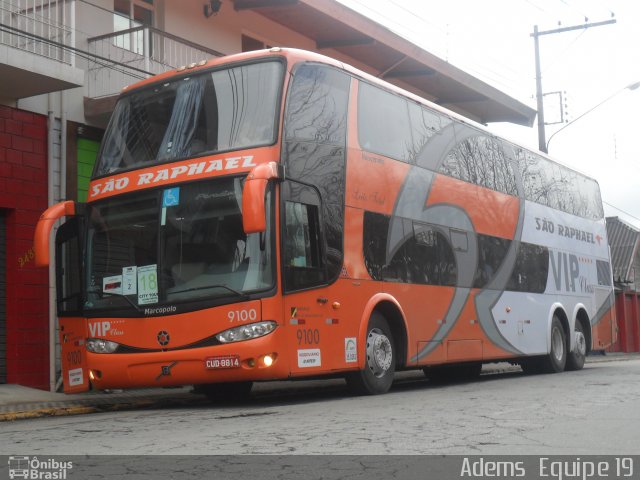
(556, 360)
(575, 359)
(377, 375)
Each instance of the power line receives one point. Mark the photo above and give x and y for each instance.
(536, 6)
(414, 14)
(586, 17)
(620, 210)
(472, 66)
(562, 54)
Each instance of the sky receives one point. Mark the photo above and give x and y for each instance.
(491, 40)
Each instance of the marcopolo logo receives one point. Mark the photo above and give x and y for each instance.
(38, 469)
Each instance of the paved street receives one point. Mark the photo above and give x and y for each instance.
(594, 411)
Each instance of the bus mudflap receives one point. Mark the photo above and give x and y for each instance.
(75, 374)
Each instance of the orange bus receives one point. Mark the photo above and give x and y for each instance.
(279, 214)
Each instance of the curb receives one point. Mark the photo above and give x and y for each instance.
(62, 411)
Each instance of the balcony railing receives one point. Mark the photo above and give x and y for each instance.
(126, 56)
(111, 60)
(41, 27)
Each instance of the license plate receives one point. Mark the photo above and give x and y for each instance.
(226, 361)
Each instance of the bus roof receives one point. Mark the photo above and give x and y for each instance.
(293, 55)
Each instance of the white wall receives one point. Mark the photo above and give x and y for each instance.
(185, 19)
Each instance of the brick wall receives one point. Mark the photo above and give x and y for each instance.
(23, 196)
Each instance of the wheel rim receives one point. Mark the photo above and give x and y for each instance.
(557, 344)
(379, 352)
(581, 344)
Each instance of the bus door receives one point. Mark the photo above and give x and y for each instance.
(304, 270)
(69, 291)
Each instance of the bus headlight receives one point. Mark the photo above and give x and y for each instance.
(246, 332)
(98, 345)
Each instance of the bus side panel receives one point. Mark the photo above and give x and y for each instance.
(323, 325)
(384, 180)
(75, 373)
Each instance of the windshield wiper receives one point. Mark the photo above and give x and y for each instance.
(205, 287)
(138, 309)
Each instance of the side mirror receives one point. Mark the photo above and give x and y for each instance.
(44, 226)
(254, 215)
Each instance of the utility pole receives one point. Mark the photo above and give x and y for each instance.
(542, 143)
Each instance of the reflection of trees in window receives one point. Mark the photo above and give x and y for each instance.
(429, 256)
(302, 242)
(375, 230)
(222, 110)
(317, 105)
(531, 270)
(557, 186)
(425, 124)
(314, 149)
(425, 257)
(481, 160)
(491, 253)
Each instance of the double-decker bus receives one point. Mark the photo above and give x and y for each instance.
(279, 214)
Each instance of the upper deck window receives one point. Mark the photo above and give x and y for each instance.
(209, 112)
(559, 187)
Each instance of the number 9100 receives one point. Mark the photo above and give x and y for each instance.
(242, 315)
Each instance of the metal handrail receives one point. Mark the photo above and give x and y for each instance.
(161, 33)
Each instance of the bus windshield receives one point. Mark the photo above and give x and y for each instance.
(175, 245)
(208, 112)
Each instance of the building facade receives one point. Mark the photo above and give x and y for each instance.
(62, 64)
(624, 240)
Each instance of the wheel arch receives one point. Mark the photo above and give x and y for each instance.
(390, 308)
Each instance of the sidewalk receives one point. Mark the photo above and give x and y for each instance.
(18, 402)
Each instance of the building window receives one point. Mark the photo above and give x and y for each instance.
(250, 44)
(130, 14)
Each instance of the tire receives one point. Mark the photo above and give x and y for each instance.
(377, 375)
(227, 392)
(453, 373)
(575, 359)
(556, 360)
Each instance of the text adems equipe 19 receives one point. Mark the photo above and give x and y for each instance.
(558, 468)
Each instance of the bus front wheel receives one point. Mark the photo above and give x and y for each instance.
(377, 375)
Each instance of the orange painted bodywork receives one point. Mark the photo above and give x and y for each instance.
(605, 332)
(200, 168)
(253, 210)
(498, 215)
(73, 332)
(44, 227)
(187, 365)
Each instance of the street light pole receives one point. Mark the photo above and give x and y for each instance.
(539, 97)
(542, 144)
(631, 86)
